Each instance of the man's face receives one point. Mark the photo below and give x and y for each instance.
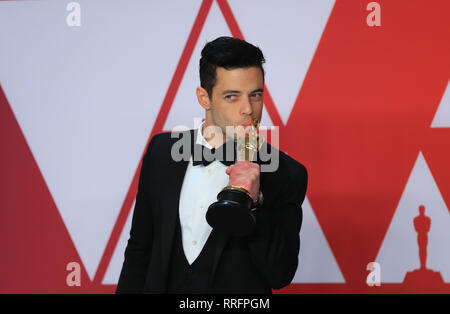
(237, 97)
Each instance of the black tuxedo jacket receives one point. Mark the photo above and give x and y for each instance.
(265, 259)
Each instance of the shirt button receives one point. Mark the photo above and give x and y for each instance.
(201, 207)
(194, 242)
(209, 171)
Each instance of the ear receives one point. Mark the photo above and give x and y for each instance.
(203, 98)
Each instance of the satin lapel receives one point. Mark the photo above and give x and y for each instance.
(263, 176)
(175, 171)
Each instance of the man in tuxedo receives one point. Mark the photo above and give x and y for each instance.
(171, 248)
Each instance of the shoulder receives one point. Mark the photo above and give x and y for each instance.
(292, 164)
(169, 137)
(287, 182)
(285, 166)
(164, 140)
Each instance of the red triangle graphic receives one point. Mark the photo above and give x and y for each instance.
(35, 243)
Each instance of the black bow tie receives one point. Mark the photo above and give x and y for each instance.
(202, 155)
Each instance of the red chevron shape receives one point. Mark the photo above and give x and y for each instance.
(363, 115)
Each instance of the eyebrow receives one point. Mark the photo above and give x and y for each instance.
(233, 91)
(259, 90)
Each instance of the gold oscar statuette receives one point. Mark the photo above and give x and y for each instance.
(232, 213)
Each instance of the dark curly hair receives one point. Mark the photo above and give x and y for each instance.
(229, 53)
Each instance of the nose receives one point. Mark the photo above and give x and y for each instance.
(246, 107)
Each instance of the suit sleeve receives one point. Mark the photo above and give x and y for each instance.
(139, 247)
(275, 243)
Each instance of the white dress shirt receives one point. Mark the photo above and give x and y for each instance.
(199, 190)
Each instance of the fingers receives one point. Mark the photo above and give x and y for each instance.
(243, 166)
(246, 175)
